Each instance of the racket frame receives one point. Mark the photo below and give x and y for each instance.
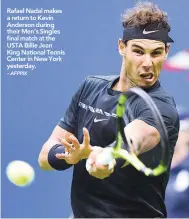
(118, 152)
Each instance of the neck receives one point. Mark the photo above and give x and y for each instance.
(124, 83)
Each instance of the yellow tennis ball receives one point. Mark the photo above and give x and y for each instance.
(20, 173)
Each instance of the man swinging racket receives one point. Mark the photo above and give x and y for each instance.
(89, 127)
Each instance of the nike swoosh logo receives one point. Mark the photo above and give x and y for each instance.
(99, 120)
(148, 32)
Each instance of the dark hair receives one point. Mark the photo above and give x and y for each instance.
(144, 14)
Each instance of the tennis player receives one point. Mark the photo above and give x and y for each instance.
(89, 126)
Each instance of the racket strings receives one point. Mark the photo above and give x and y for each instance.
(125, 115)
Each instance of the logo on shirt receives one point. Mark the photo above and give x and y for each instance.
(99, 120)
(97, 110)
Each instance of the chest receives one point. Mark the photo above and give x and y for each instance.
(98, 114)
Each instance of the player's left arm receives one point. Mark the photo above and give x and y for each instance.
(143, 134)
(141, 137)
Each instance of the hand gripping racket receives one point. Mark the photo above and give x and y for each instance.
(117, 152)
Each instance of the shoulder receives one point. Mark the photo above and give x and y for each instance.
(158, 95)
(163, 96)
(163, 101)
(98, 81)
(100, 78)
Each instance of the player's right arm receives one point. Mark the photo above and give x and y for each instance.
(63, 134)
(55, 139)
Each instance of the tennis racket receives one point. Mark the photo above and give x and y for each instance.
(118, 152)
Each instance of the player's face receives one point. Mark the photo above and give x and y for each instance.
(143, 60)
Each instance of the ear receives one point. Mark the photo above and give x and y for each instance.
(121, 47)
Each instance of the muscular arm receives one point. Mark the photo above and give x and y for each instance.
(68, 122)
(141, 137)
(57, 134)
(144, 131)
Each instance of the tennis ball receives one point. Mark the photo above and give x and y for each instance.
(20, 173)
